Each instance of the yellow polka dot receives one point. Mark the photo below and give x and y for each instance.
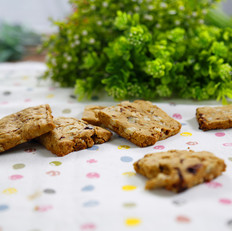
(25, 78)
(9, 191)
(128, 173)
(123, 147)
(50, 96)
(128, 187)
(132, 221)
(186, 134)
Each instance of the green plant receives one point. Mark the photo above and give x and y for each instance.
(142, 49)
(13, 39)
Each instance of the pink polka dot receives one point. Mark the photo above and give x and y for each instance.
(177, 116)
(16, 177)
(192, 143)
(27, 100)
(159, 147)
(213, 184)
(227, 144)
(4, 102)
(220, 134)
(53, 173)
(43, 208)
(225, 201)
(88, 226)
(183, 219)
(91, 161)
(93, 175)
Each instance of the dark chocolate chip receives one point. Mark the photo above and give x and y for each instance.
(194, 168)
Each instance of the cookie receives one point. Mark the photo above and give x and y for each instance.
(71, 135)
(140, 122)
(25, 125)
(177, 170)
(214, 117)
(90, 114)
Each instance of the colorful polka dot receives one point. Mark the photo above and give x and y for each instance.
(123, 147)
(91, 161)
(53, 173)
(132, 221)
(16, 177)
(183, 219)
(227, 144)
(66, 111)
(49, 96)
(18, 166)
(192, 143)
(43, 208)
(93, 148)
(3, 207)
(91, 203)
(6, 93)
(55, 163)
(126, 159)
(88, 227)
(92, 175)
(230, 158)
(35, 195)
(87, 188)
(128, 187)
(186, 134)
(177, 116)
(9, 191)
(159, 147)
(129, 205)
(225, 201)
(49, 191)
(129, 173)
(214, 184)
(220, 134)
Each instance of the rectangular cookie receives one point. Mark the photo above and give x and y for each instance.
(140, 122)
(71, 135)
(90, 114)
(25, 125)
(214, 117)
(178, 170)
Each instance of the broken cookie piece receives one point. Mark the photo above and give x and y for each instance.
(25, 125)
(140, 122)
(214, 117)
(90, 114)
(177, 170)
(71, 135)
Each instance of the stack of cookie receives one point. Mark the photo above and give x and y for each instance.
(140, 122)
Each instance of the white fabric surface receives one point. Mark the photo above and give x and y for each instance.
(97, 189)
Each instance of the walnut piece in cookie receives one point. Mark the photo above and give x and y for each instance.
(140, 122)
(71, 135)
(25, 125)
(90, 114)
(178, 170)
(214, 117)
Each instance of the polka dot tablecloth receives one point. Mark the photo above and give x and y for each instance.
(97, 189)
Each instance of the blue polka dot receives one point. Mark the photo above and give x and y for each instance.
(29, 89)
(183, 124)
(87, 188)
(91, 203)
(126, 159)
(93, 148)
(4, 207)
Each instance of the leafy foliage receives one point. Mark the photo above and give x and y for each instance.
(142, 49)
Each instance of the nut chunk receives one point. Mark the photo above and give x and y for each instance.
(179, 170)
(71, 135)
(25, 125)
(90, 114)
(214, 117)
(141, 122)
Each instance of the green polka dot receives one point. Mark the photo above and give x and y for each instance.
(66, 111)
(55, 163)
(18, 166)
(129, 205)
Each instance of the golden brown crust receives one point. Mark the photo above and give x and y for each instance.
(25, 125)
(178, 170)
(71, 135)
(90, 114)
(210, 118)
(141, 122)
